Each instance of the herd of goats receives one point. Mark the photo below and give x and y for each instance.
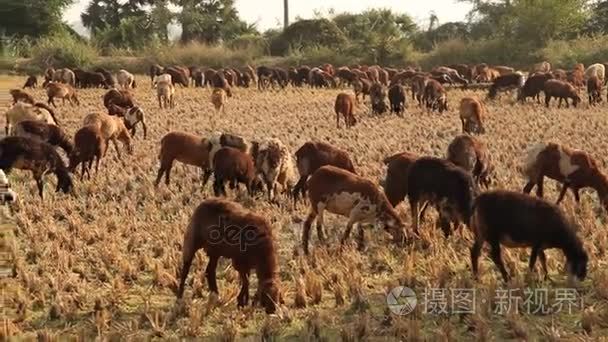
(327, 175)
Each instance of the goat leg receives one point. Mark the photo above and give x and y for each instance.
(562, 193)
(210, 273)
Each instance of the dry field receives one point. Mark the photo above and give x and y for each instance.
(102, 263)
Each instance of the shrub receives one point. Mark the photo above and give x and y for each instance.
(63, 51)
(200, 54)
(586, 50)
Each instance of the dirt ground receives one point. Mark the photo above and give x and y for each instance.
(103, 261)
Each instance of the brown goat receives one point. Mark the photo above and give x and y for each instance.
(184, 147)
(252, 246)
(435, 96)
(562, 91)
(313, 155)
(344, 193)
(472, 155)
(20, 95)
(395, 184)
(62, 91)
(345, 105)
(113, 129)
(122, 98)
(49, 133)
(594, 90)
(31, 82)
(234, 166)
(89, 144)
(575, 169)
(472, 113)
(218, 98)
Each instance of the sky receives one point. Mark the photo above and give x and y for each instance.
(269, 13)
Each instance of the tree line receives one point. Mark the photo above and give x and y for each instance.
(375, 36)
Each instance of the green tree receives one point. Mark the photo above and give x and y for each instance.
(33, 18)
(304, 34)
(211, 21)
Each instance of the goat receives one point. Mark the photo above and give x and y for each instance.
(396, 96)
(516, 220)
(472, 112)
(251, 246)
(562, 91)
(313, 155)
(435, 96)
(49, 133)
(122, 98)
(23, 111)
(31, 82)
(113, 129)
(165, 93)
(575, 169)
(89, 145)
(125, 79)
(344, 193)
(183, 147)
(447, 186)
(594, 90)
(345, 105)
(275, 163)
(473, 156)
(395, 184)
(62, 91)
(20, 95)
(132, 117)
(218, 98)
(36, 156)
(234, 166)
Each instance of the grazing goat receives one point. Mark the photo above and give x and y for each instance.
(447, 186)
(21, 96)
(31, 82)
(183, 147)
(345, 106)
(505, 83)
(377, 95)
(435, 96)
(36, 156)
(253, 246)
(313, 155)
(396, 96)
(49, 133)
(361, 87)
(122, 98)
(594, 90)
(89, 145)
(234, 166)
(125, 79)
(473, 156)
(165, 91)
(472, 113)
(395, 184)
(116, 110)
(347, 194)
(132, 117)
(533, 86)
(598, 70)
(275, 163)
(155, 70)
(218, 98)
(575, 169)
(24, 111)
(562, 91)
(516, 220)
(112, 128)
(62, 91)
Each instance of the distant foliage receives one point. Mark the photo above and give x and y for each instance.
(63, 51)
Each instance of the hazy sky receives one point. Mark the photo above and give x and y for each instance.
(269, 13)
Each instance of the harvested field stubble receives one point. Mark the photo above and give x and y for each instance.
(104, 261)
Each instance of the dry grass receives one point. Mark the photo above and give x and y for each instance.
(103, 263)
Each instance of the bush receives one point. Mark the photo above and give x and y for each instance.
(63, 51)
(200, 55)
(586, 50)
